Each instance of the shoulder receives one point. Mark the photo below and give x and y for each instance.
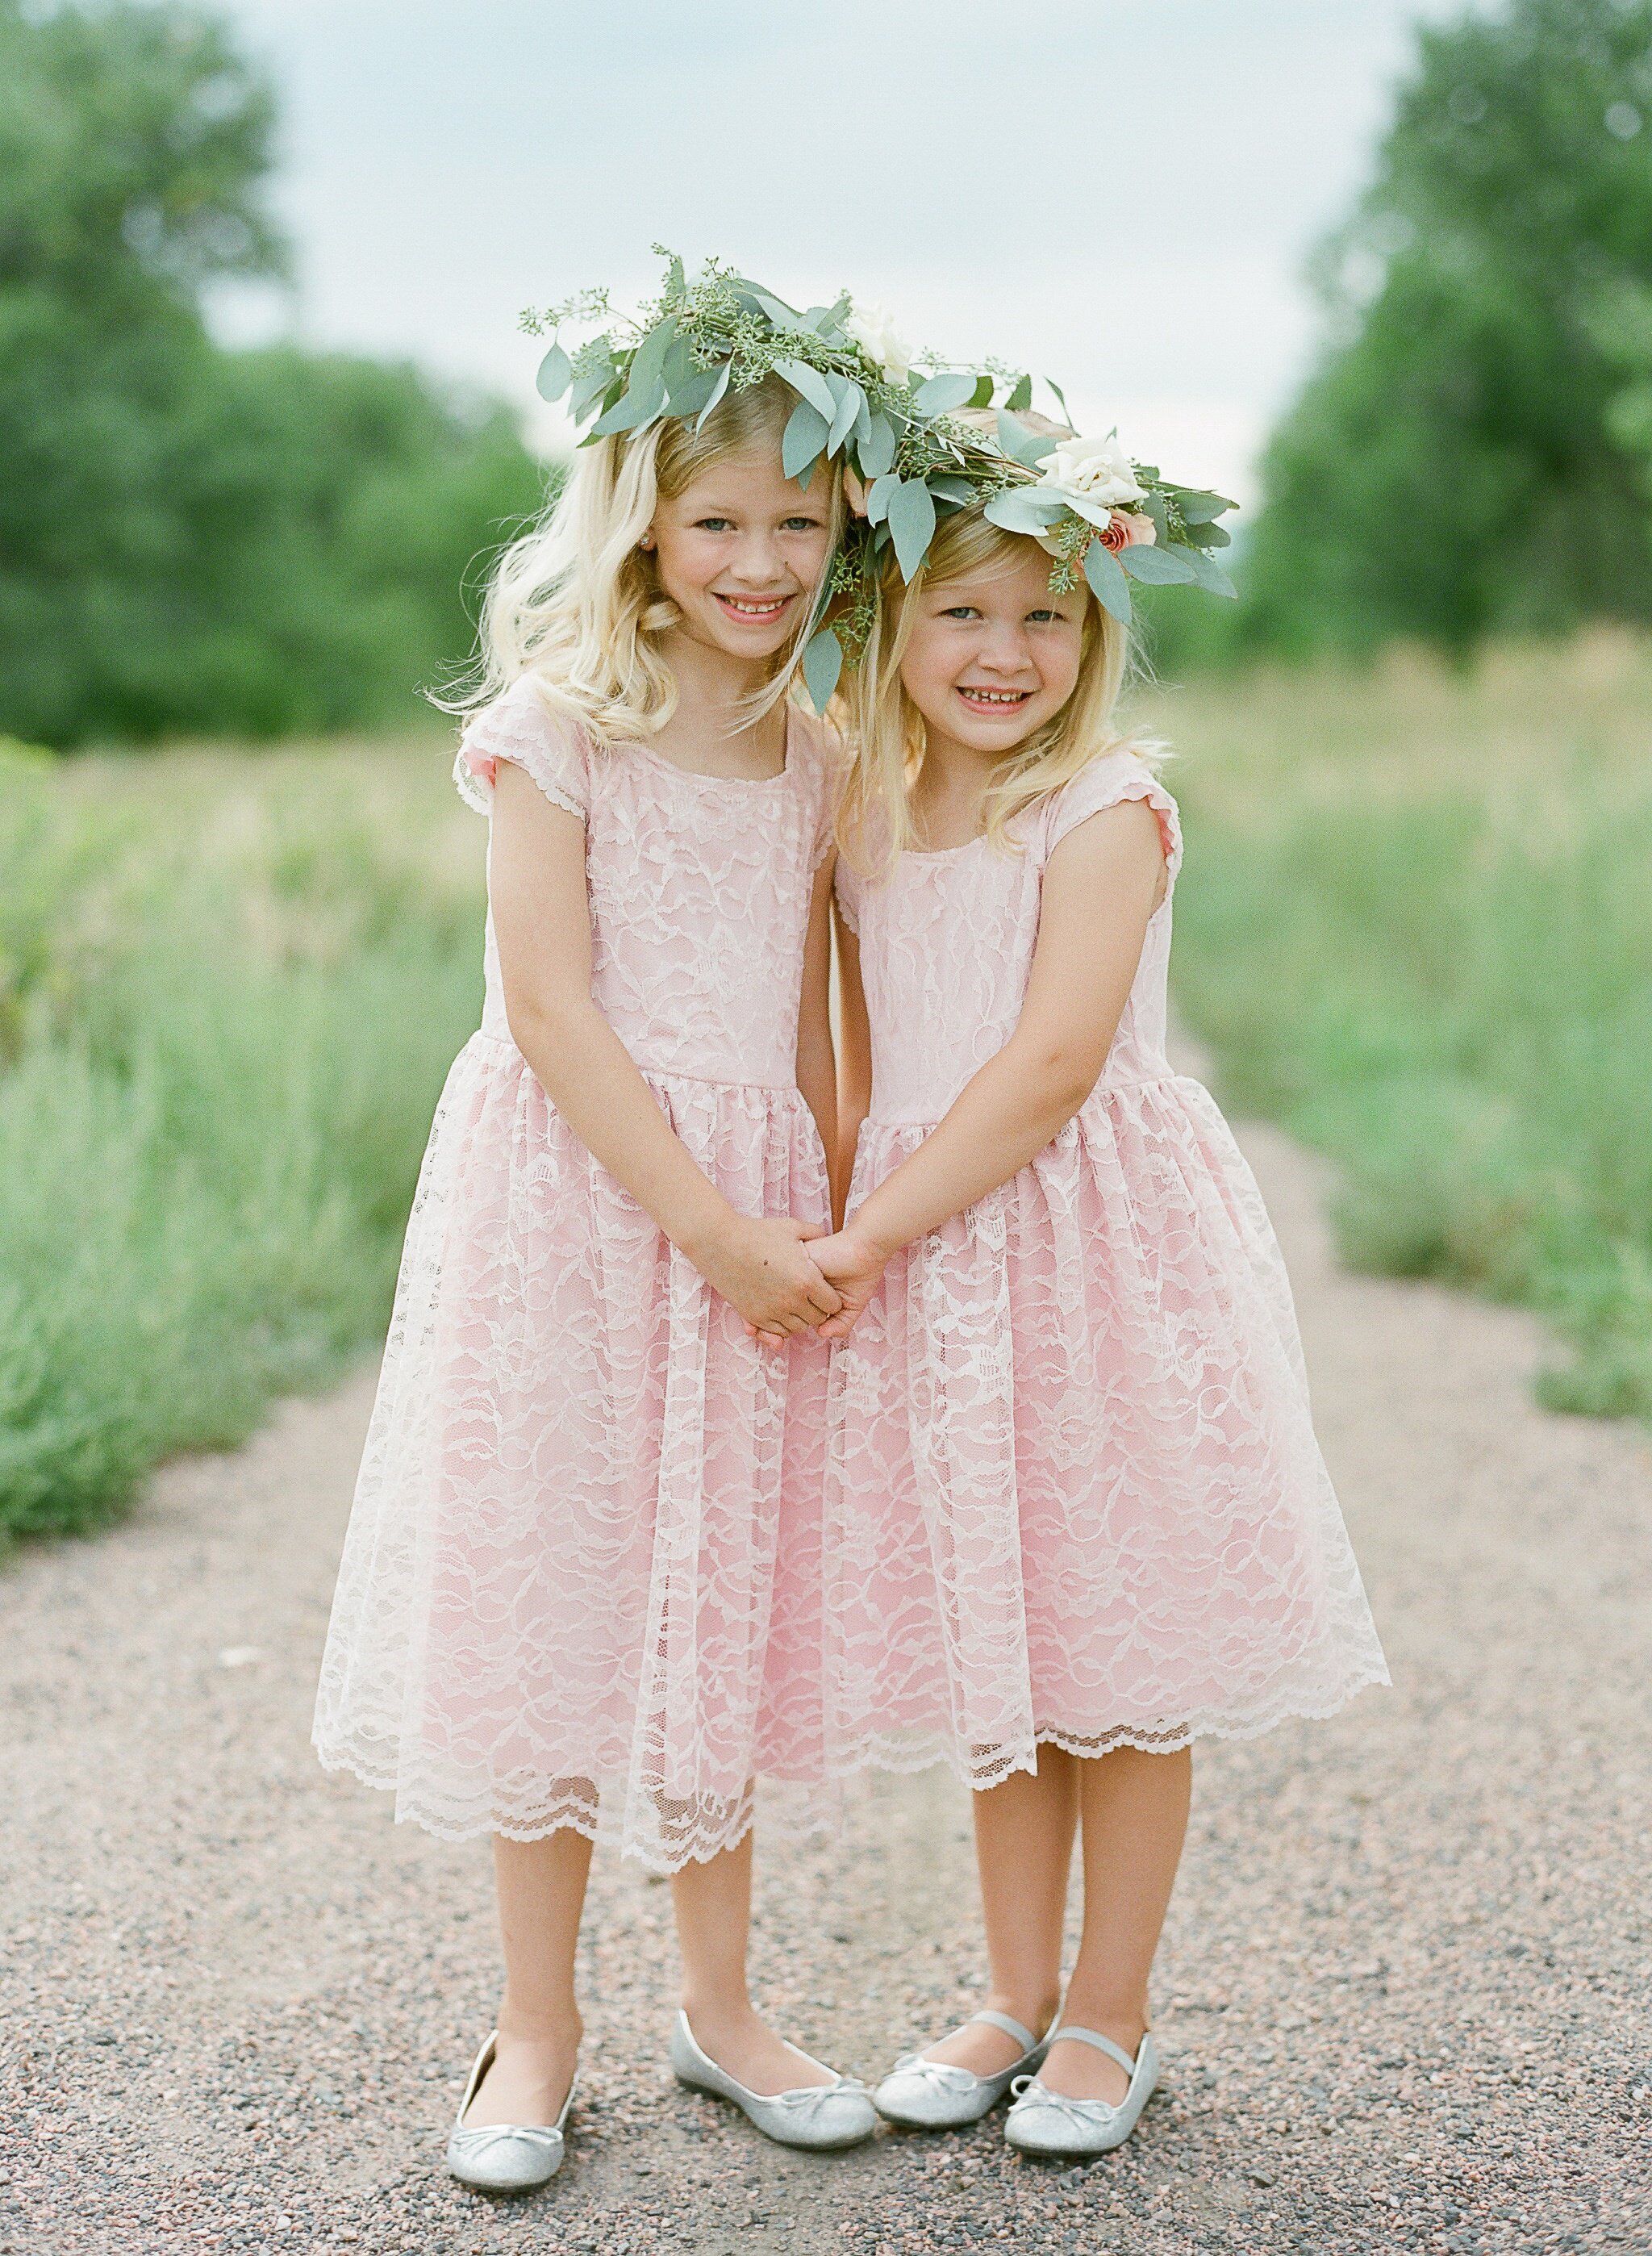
(1112, 778)
(816, 752)
(524, 728)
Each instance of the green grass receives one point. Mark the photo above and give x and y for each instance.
(229, 988)
(1416, 929)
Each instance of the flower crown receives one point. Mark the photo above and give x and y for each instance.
(903, 428)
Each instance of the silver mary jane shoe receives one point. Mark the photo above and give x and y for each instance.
(820, 2116)
(1044, 2122)
(504, 2157)
(934, 2095)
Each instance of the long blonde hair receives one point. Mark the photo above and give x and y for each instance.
(577, 601)
(887, 731)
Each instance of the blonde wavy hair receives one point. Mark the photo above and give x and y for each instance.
(886, 730)
(577, 601)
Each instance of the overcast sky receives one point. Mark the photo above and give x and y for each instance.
(1122, 193)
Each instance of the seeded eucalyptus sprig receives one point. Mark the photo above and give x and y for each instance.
(896, 428)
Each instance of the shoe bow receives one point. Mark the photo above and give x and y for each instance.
(945, 2073)
(805, 2104)
(544, 2138)
(1083, 2114)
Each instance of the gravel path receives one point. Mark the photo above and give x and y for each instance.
(1403, 1995)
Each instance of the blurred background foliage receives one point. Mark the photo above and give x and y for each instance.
(1414, 755)
(1472, 456)
(193, 539)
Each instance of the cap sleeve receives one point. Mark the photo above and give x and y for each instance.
(520, 728)
(1114, 777)
(819, 750)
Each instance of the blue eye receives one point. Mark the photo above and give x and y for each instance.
(962, 611)
(713, 524)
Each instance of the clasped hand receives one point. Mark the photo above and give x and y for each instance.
(785, 1278)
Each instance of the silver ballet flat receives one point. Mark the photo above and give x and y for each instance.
(820, 2116)
(1044, 2122)
(934, 2095)
(504, 2157)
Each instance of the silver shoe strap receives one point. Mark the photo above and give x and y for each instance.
(1102, 2044)
(1024, 2038)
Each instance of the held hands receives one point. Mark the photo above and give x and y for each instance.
(762, 1268)
(853, 1263)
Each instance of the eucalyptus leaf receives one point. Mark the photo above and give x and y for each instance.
(1208, 573)
(911, 516)
(982, 395)
(1061, 397)
(877, 497)
(958, 491)
(1208, 536)
(556, 373)
(647, 363)
(1020, 397)
(1022, 446)
(1158, 568)
(1107, 583)
(811, 384)
(590, 383)
(850, 406)
(863, 433)
(717, 391)
(631, 410)
(803, 440)
(1153, 505)
(938, 395)
(695, 391)
(822, 664)
(1024, 509)
(1098, 513)
(1199, 508)
(877, 449)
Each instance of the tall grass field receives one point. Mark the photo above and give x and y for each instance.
(231, 986)
(1415, 926)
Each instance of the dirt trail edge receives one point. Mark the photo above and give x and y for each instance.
(1403, 1991)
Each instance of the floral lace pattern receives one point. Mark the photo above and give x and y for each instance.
(581, 1584)
(1074, 1494)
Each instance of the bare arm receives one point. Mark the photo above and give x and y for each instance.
(1102, 885)
(543, 925)
(855, 1060)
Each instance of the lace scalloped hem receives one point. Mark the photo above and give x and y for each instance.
(662, 1836)
(905, 1753)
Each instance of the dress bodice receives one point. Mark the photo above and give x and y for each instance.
(699, 887)
(946, 941)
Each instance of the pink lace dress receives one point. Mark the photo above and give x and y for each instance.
(581, 1582)
(1074, 1494)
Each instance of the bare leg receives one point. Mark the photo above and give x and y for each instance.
(1133, 1811)
(712, 1902)
(1023, 1853)
(541, 1890)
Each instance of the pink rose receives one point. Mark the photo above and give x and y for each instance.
(1128, 528)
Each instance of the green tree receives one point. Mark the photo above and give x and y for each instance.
(1474, 453)
(191, 538)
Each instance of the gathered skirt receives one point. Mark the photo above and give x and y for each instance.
(1075, 1494)
(582, 1581)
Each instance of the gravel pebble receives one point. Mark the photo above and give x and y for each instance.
(1403, 1996)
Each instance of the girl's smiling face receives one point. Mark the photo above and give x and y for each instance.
(741, 551)
(993, 655)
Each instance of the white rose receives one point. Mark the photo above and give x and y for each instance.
(1098, 469)
(873, 328)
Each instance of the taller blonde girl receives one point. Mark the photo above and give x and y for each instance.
(580, 1592)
